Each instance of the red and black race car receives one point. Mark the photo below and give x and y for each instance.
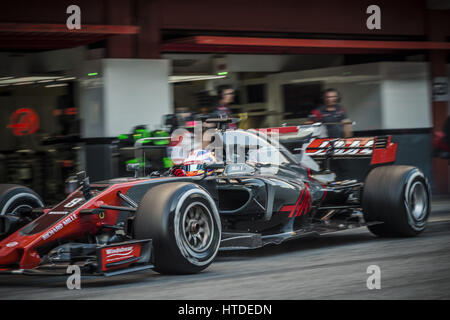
(261, 194)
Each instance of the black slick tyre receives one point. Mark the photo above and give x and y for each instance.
(183, 222)
(14, 198)
(399, 197)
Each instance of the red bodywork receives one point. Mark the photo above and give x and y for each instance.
(385, 155)
(302, 206)
(381, 150)
(64, 221)
(356, 147)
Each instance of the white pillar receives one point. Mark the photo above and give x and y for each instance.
(117, 94)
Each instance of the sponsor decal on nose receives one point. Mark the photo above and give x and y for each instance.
(12, 244)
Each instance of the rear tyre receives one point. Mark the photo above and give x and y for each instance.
(182, 220)
(399, 197)
(15, 198)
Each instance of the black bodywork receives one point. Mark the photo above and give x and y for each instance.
(260, 201)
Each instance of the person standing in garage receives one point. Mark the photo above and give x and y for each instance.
(333, 115)
(225, 94)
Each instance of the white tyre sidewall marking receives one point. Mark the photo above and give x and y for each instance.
(411, 219)
(15, 197)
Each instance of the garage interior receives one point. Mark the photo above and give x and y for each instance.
(66, 95)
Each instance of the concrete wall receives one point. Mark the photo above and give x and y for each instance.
(358, 85)
(136, 92)
(379, 97)
(26, 64)
(362, 101)
(406, 96)
(277, 63)
(126, 93)
(89, 96)
(386, 95)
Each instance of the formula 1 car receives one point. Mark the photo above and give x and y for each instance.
(260, 194)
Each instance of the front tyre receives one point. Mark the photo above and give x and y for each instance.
(15, 198)
(399, 197)
(183, 222)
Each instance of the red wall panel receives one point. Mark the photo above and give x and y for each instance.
(400, 17)
(51, 11)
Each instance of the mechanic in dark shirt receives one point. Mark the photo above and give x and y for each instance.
(225, 96)
(333, 114)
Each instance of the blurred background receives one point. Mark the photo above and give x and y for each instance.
(78, 99)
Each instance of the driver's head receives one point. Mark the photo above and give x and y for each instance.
(194, 165)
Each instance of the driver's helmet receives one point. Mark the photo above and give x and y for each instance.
(194, 164)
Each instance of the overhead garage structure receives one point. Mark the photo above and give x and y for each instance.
(126, 50)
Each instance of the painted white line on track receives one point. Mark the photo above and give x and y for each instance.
(439, 219)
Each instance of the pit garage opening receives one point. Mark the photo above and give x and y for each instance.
(384, 86)
(133, 62)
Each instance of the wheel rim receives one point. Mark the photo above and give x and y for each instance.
(417, 200)
(197, 227)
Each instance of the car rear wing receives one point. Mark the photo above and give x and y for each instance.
(379, 149)
(304, 139)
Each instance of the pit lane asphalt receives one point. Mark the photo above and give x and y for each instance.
(333, 266)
